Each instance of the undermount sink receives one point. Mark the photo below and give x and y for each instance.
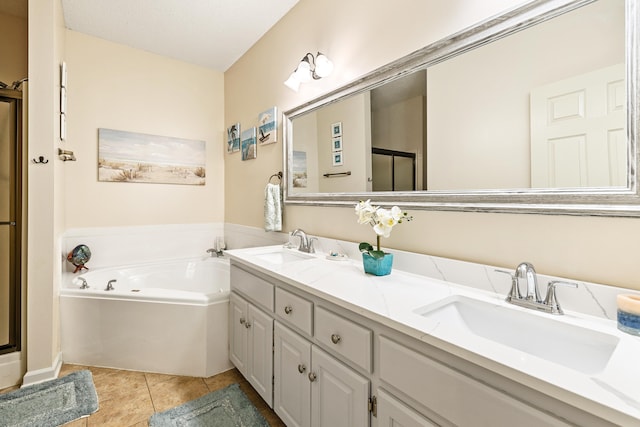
(281, 256)
(581, 349)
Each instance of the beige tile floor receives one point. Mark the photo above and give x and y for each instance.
(129, 398)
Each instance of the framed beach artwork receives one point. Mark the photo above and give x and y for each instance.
(248, 144)
(268, 126)
(233, 138)
(141, 158)
(299, 169)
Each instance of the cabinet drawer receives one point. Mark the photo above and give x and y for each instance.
(344, 337)
(259, 290)
(446, 391)
(294, 310)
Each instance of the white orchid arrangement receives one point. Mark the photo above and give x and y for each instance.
(382, 220)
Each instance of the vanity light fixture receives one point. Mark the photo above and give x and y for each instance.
(310, 67)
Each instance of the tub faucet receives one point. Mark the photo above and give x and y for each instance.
(306, 243)
(84, 284)
(110, 285)
(218, 253)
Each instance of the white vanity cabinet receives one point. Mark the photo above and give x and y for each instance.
(312, 388)
(393, 413)
(451, 395)
(251, 333)
(322, 364)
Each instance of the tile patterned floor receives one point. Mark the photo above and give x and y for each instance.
(129, 398)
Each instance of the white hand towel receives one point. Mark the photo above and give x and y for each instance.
(272, 208)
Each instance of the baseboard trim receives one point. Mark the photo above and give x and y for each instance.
(44, 374)
(11, 369)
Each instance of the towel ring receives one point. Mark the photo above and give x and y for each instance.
(276, 175)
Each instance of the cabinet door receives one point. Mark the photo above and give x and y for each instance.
(339, 395)
(291, 386)
(238, 332)
(260, 353)
(393, 413)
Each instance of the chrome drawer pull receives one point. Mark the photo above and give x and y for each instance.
(312, 376)
(302, 368)
(288, 309)
(335, 338)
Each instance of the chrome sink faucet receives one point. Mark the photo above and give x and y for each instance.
(525, 272)
(306, 243)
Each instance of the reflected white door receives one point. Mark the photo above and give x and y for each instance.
(578, 131)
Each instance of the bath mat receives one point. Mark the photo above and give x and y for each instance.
(228, 407)
(51, 403)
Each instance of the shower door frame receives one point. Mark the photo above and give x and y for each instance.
(15, 235)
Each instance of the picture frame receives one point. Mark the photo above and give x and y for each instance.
(233, 138)
(248, 143)
(336, 144)
(299, 169)
(337, 158)
(131, 157)
(268, 126)
(336, 129)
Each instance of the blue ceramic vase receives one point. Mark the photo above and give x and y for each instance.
(377, 267)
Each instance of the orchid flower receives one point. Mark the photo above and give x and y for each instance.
(382, 220)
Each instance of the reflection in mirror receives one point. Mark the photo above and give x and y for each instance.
(541, 108)
(527, 112)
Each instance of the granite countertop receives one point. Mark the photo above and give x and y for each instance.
(396, 300)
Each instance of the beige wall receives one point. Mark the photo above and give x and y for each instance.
(13, 45)
(360, 36)
(117, 87)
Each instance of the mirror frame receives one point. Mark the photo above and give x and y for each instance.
(617, 202)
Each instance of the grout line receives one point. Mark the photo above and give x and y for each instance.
(146, 381)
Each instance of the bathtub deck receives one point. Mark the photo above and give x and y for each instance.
(129, 398)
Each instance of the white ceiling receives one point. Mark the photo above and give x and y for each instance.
(210, 33)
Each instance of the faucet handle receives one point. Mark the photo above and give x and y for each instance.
(514, 292)
(551, 299)
(311, 248)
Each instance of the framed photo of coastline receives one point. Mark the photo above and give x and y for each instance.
(248, 144)
(268, 126)
(233, 138)
(141, 158)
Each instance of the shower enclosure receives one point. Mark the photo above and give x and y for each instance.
(10, 218)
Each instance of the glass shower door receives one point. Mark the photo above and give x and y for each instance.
(9, 212)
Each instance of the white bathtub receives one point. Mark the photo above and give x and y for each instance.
(168, 317)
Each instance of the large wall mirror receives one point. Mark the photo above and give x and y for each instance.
(532, 111)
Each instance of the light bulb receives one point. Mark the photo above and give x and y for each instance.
(324, 66)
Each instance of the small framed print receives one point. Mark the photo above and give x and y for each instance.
(336, 144)
(268, 126)
(336, 129)
(248, 143)
(233, 138)
(338, 160)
